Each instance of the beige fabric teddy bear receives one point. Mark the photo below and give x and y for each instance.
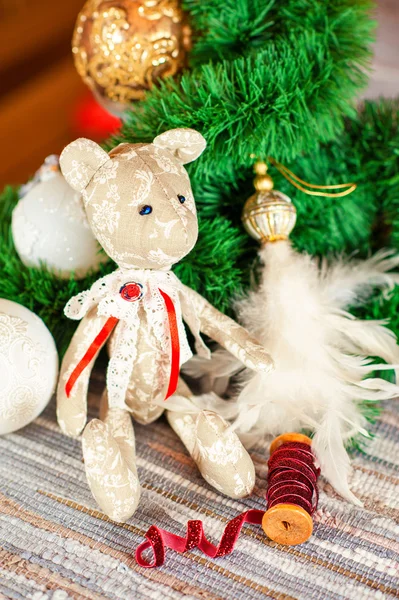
(140, 206)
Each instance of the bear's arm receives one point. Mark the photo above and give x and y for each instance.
(229, 334)
(72, 409)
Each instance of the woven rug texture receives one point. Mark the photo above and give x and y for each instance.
(56, 544)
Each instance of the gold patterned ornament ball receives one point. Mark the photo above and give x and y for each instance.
(268, 215)
(122, 47)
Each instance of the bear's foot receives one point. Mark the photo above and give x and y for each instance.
(112, 477)
(220, 456)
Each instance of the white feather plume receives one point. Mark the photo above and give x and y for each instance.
(215, 373)
(320, 352)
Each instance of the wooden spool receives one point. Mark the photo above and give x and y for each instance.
(287, 523)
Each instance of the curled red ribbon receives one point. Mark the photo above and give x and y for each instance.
(158, 538)
(106, 331)
(292, 479)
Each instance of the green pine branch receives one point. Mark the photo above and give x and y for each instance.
(220, 264)
(266, 78)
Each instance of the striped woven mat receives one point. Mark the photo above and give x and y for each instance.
(55, 544)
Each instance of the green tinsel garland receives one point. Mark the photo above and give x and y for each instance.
(366, 152)
(268, 78)
(214, 258)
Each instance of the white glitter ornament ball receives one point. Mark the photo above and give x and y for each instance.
(28, 366)
(49, 225)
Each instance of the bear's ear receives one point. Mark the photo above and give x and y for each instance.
(80, 160)
(185, 144)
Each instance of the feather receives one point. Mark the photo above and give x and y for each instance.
(194, 404)
(350, 282)
(214, 373)
(367, 337)
(334, 461)
(321, 352)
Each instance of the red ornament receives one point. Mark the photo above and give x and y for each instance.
(131, 291)
(91, 120)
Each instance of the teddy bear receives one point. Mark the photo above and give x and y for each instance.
(140, 207)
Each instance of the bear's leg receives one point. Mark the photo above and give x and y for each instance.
(220, 456)
(110, 462)
(72, 408)
(141, 408)
(144, 382)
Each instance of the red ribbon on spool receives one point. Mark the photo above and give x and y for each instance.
(292, 498)
(292, 494)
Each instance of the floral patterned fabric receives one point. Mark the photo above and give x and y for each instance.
(140, 206)
(116, 187)
(223, 461)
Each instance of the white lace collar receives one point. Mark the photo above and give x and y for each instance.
(106, 293)
(109, 294)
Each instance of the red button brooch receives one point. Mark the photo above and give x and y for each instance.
(131, 291)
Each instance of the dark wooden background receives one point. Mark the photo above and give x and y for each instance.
(39, 88)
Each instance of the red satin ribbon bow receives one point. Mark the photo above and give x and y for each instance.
(106, 331)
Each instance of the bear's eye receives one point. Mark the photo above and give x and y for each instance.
(181, 198)
(145, 210)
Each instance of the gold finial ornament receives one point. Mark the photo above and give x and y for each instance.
(122, 47)
(268, 215)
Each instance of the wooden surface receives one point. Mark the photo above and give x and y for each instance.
(287, 524)
(35, 120)
(39, 86)
(27, 28)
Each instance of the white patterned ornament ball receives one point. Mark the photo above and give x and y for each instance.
(49, 226)
(28, 366)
